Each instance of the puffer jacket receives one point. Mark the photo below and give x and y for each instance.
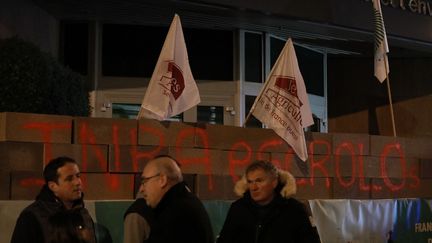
(283, 220)
(33, 225)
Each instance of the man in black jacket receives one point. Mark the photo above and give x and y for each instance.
(62, 191)
(266, 213)
(178, 215)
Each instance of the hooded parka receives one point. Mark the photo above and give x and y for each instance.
(283, 220)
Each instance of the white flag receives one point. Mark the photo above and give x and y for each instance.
(283, 103)
(172, 88)
(381, 45)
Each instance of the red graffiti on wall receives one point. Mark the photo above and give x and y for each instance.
(29, 182)
(319, 164)
(87, 137)
(337, 162)
(47, 130)
(325, 165)
(238, 162)
(403, 163)
(138, 155)
(204, 160)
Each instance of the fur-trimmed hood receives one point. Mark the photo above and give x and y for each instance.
(286, 181)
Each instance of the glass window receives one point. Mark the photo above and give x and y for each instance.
(133, 50)
(177, 118)
(253, 57)
(311, 65)
(252, 122)
(210, 114)
(276, 46)
(210, 53)
(74, 49)
(316, 127)
(130, 111)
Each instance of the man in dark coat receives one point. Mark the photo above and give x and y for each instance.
(62, 191)
(179, 216)
(266, 213)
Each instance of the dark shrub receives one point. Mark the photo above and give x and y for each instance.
(32, 81)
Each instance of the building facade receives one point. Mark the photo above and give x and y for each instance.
(232, 46)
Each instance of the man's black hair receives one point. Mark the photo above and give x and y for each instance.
(50, 172)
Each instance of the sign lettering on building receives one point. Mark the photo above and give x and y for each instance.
(422, 7)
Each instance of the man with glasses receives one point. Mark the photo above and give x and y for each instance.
(178, 215)
(267, 213)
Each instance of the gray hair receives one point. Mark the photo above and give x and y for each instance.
(169, 166)
(267, 166)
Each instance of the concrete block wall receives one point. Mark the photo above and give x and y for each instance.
(113, 152)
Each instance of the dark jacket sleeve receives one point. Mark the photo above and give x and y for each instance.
(228, 230)
(27, 229)
(305, 231)
(196, 224)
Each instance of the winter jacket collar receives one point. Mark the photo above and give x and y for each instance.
(47, 196)
(178, 190)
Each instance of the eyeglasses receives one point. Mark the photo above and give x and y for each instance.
(144, 180)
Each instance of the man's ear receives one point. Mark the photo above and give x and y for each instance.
(163, 180)
(52, 186)
(275, 183)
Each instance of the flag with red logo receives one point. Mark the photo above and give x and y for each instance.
(283, 103)
(172, 88)
(381, 46)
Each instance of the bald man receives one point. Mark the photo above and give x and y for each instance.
(179, 216)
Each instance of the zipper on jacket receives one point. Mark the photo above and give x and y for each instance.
(258, 232)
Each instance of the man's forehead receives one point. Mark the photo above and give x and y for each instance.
(68, 169)
(149, 168)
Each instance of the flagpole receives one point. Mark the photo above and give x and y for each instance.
(381, 50)
(247, 117)
(390, 98)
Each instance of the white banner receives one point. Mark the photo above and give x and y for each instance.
(283, 103)
(373, 221)
(172, 88)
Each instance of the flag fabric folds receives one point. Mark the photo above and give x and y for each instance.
(172, 88)
(381, 46)
(283, 103)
